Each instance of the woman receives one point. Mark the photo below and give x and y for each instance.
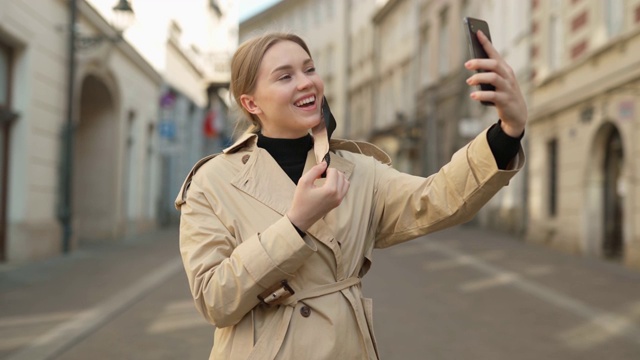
(275, 240)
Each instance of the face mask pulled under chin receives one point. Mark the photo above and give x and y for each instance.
(322, 133)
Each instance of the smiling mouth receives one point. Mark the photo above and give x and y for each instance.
(306, 102)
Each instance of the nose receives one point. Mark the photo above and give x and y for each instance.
(304, 82)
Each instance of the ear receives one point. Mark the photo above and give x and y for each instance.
(249, 104)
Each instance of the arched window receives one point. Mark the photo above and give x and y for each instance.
(6, 118)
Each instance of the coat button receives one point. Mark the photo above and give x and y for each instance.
(305, 311)
(245, 159)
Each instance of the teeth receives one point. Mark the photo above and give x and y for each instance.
(306, 101)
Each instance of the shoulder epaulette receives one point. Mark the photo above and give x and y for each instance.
(182, 195)
(361, 147)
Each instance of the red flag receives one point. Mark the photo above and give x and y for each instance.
(210, 126)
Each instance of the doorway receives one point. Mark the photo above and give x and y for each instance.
(95, 163)
(612, 244)
(605, 195)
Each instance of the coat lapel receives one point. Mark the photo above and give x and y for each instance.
(264, 180)
(322, 230)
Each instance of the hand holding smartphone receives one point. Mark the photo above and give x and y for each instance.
(472, 26)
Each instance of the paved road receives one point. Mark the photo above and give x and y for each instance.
(125, 300)
(458, 294)
(465, 294)
(163, 325)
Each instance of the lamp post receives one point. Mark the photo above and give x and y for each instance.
(123, 18)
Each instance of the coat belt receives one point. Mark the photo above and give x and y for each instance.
(321, 290)
(270, 342)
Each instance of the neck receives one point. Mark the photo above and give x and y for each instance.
(290, 154)
(290, 135)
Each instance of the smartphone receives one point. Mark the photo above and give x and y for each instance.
(472, 26)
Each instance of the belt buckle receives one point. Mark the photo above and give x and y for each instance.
(276, 294)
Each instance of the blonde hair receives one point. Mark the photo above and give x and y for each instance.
(245, 65)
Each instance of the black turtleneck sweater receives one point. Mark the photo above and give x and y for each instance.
(290, 154)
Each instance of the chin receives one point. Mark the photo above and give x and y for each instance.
(316, 123)
(311, 123)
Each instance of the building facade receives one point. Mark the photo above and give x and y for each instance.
(145, 106)
(112, 108)
(190, 44)
(360, 69)
(427, 128)
(510, 24)
(583, 128)
(575, 63)
(395, 127)
(405, 80)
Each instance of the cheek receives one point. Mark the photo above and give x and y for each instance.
(280, 93)
(320, 85)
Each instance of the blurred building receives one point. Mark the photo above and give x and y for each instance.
(395, 127)
(144, 108)
(448, 118)
(398, 79)
(586, 78)
(114, 102)
(190, 44)
(395, 72)
(510, 27)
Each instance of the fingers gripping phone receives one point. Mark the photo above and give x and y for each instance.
(472, 26)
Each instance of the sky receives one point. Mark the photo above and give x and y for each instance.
(249, 8)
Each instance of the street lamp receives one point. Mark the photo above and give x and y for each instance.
(123, 18)
(123, 15)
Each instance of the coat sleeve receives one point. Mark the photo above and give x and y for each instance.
(225, 277)
(409, 206)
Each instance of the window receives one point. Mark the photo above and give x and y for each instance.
(552, 186)
(443, 43)
(5, 110)
(425, 53)
(6, 117)
(4, 76)
(407, 89)
(148, 200)
(132, 166)
(613, 16)
(556, 35)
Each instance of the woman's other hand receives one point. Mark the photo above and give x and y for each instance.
(507, 97)
(311, 202)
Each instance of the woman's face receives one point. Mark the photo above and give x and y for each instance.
(288, 93)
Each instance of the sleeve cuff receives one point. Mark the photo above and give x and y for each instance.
(275, 254)
(503, 146)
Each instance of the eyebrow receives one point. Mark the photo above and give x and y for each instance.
(289, 67)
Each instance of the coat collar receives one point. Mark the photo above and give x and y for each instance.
(263, 179)
(250, 140)
(244, 140)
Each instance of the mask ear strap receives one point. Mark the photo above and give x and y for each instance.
(322, 133)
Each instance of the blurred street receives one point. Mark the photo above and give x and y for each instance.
(467, 293)
(463, 293)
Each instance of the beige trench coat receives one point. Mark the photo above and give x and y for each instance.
(236, 243)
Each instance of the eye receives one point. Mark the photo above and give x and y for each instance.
(285, 77)
(311, 70)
